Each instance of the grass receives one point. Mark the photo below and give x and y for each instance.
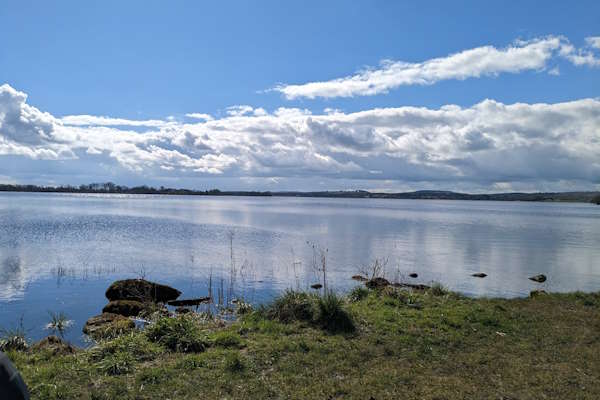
(446, 347)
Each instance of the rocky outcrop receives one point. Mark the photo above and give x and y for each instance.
(413, 275)
(479, 275)
(141, 290)
(127, 308)
(107, 325)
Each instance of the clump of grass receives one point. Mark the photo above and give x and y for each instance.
(358, 293)
(59, 323)
(331, 314)
(114, 330)
(437, 289)
(180, 333)
(119, 356)
(117, 363)
(243, 308)
(227, 340)
(14, 338)
(233, 363)
(292, 306)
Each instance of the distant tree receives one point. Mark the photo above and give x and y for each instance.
(596, 200)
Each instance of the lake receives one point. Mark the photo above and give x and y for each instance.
(59, 252)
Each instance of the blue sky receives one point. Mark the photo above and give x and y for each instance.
(156, 61)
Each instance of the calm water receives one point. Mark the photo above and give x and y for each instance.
(60, 252)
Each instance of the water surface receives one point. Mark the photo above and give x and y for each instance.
(59, 252)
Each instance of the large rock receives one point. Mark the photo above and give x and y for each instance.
(127, 308)
(141, 290)
(107, 325)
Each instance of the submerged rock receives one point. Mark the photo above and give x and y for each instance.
(377, 283)
(107, 325)
(189, 302)
(413, 275)
(316, 286)
(141, 290)
(538, 278)
(55, 344)
(414, 286)
(359, 278)
(479, 275)
(127, 308)
(182, 310)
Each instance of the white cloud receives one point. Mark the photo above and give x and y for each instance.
(485, 145)
(91, 120)
(205, 117)
(532, 55)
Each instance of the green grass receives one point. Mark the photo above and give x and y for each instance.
(411, 345)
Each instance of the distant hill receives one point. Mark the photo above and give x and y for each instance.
(582, 197)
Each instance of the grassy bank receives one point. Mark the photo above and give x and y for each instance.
(369, 344)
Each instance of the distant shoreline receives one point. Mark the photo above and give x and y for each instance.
(109, 188)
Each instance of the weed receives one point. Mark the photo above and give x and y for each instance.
(358, 293)
(180, 333)
(437, 289)
(331, 314)
(59, 323)
(292, 306)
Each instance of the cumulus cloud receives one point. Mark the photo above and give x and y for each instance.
(205, 117)
(531, 55)
(484, 145)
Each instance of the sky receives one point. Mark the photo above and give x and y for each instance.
(312, 95)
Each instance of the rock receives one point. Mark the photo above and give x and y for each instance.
(413, 275)
(537, 293)
(55, 344)
(359, 278)
(479, 275)
(189, 302)
(107, 325)
(316, 286)
(127, 308)
(141, 290)
(182, 310)
(414, 286)
(377, 283)
(538, 278)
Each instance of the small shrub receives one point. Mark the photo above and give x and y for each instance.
(180, 333)
(292, 306)
(227, 339)
(233, 363)
(358, 293)
(331, 314)
(243, 308)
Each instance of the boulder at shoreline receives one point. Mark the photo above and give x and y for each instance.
(127, 308)
(141, 290)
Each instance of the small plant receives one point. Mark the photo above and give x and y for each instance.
(116, 364)
(437, 289)
(233, 363)
(180, 333)
(243, 308)
(331, 314)
(292, 306)
(59, 323)
(358, 293)
(14, 339)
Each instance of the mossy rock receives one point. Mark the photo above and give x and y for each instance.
(107, 325)
(141, 290)
(127, 308)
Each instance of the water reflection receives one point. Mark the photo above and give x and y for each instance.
(60, 252)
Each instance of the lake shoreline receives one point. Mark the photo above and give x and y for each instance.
(370, 343)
